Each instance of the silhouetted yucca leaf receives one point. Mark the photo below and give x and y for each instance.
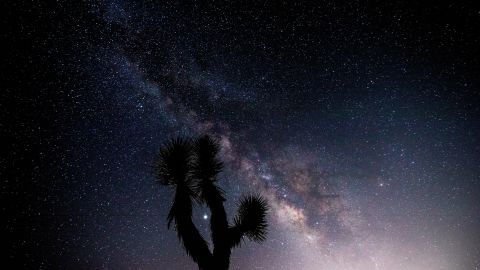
(251, 217)
(174, 162)
(206, 165)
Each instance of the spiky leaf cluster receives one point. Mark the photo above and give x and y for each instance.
(251, 217)
(206, 167)
(174, 162)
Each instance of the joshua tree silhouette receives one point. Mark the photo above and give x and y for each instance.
(191, 167)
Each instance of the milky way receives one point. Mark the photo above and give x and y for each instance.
(358, 123)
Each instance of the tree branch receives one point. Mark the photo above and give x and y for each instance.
(195, 245)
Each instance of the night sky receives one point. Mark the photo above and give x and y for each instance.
(359, 122)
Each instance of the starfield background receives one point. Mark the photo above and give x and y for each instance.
(359, 121)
